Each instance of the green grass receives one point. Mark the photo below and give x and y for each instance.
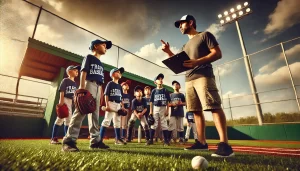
(39, 155)
(258, 143)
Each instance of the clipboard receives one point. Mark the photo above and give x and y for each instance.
(175, 63)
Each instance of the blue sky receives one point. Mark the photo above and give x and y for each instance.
(138, 26)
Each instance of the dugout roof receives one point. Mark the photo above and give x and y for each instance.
(43, 61)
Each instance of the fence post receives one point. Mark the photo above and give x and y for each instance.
(219, 78)
(37, 21)
(230, 107)
(291, 76)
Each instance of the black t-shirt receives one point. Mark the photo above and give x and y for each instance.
(94, 69)
(160, 97)
(139, 106)
(178, 110)
(190, 117)
(68, 87)
(114, 92)
(126, 100)
(197, 47)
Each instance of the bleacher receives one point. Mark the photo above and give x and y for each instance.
(20, 107)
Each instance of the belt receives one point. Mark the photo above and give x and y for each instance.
(92, 81)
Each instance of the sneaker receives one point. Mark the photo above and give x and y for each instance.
(120, 142)
(147, 142)
(186, 140)
(69, 147)
(224, 150)
(150, 142)
(128, 140)
(55, 141)
(166, 143)
(197, 146)
(99, 145)
(181, 141)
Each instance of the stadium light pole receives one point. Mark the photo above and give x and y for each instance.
(233, 15)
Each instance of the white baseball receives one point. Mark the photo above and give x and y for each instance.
(199, 162)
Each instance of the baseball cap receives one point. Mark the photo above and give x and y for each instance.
(173, 82)
(116, 69)
(147, 87)
(159, 76)
(138, 88)
(97, 41)
(184, 18)
(71, 67)
(128, 82)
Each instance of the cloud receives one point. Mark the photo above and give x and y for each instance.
(291, 53)
(285, 15)
(256, 32)
(56, 5)
(278, 78)
(46, 32)
(216, 30)
(122, 22)
(143, 68)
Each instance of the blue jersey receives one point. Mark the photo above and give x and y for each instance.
(94, 69)
(190, 117)
(126, 100)
(139, 106)
(178, 110)
(114, 92)
(68, 87)
(160, 97)
(148, 105)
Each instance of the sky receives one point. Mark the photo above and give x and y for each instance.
(139, 25)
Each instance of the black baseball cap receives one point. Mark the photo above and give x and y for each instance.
(97, 41)
(116, 69)
(138, 88)
(159, 76)
(173, 82)
(72, 67)
(185, 18)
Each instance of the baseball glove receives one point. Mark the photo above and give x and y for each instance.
(85, 103)
(62, 111)
(122, 112)
(151, 120)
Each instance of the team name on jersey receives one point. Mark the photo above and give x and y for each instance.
(70, 89)
(96, 69)
(176, 99)
(126, 101)
(115, 92)
(139, 108)
(158, 97)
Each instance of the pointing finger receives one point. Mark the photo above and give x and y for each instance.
(163, 42)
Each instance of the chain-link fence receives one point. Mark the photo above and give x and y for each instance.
(273, 69)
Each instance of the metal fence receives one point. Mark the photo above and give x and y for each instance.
(274, 70)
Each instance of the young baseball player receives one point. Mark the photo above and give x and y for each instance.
(190, 125)
(66, 91)
(91, 79)
(113, 101)
(159, 108)
(177, 113)
(139, 108)
(147, 92)
(126, 101)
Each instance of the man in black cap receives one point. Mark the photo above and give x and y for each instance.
(201, 90)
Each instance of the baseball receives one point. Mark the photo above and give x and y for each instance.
(199, 162)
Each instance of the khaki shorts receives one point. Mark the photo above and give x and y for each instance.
(202, 94)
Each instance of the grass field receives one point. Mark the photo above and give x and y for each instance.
(39, 155)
